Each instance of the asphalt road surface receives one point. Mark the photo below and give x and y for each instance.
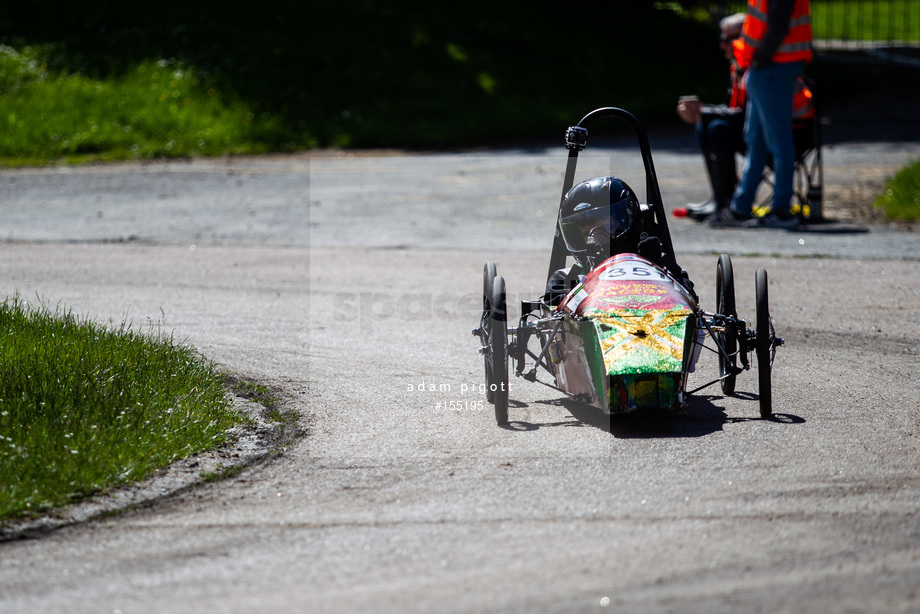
(349, 285)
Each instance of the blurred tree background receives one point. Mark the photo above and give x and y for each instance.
(397, 73)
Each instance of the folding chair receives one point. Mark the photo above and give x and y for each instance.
(808, 185)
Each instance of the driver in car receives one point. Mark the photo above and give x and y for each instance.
(599, 218)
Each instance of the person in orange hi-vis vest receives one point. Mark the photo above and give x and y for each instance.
(719, 127)
(774, 46)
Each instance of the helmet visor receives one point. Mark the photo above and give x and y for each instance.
(615, 219)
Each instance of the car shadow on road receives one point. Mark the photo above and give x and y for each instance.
(514, 407)
(700, 417)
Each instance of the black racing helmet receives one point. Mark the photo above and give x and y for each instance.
(599, 218)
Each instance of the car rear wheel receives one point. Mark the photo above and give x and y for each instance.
(764, 345)
(725, 305)
(498, 345)
(488, 277)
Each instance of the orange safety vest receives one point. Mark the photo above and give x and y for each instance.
(803, 104)
(796, 46)
(739, 91)
(739, 88)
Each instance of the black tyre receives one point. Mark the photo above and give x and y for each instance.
(725, 305)
(498, 346)
(764, 345)
(488, 276)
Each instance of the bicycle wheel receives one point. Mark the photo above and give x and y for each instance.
(488, 276)
(764, 345)
(728, 340)
(498, 344)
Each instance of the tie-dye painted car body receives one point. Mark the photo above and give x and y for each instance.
(628, 339)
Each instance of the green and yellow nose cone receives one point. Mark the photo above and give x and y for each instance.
(643, 353)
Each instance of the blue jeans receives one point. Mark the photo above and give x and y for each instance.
(768, 130)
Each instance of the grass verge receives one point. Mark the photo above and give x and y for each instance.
(157, 109)
(900, 200)
(83, 408)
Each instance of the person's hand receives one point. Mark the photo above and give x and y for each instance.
(688, 108)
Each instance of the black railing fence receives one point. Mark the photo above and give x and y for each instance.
(853, 24)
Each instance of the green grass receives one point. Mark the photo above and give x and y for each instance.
(897, 20)
(157, 109)
(84, 408)
(900, 200)
(860, 20)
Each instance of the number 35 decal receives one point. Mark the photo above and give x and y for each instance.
(631, 273)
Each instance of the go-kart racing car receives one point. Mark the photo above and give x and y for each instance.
(626, 337)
